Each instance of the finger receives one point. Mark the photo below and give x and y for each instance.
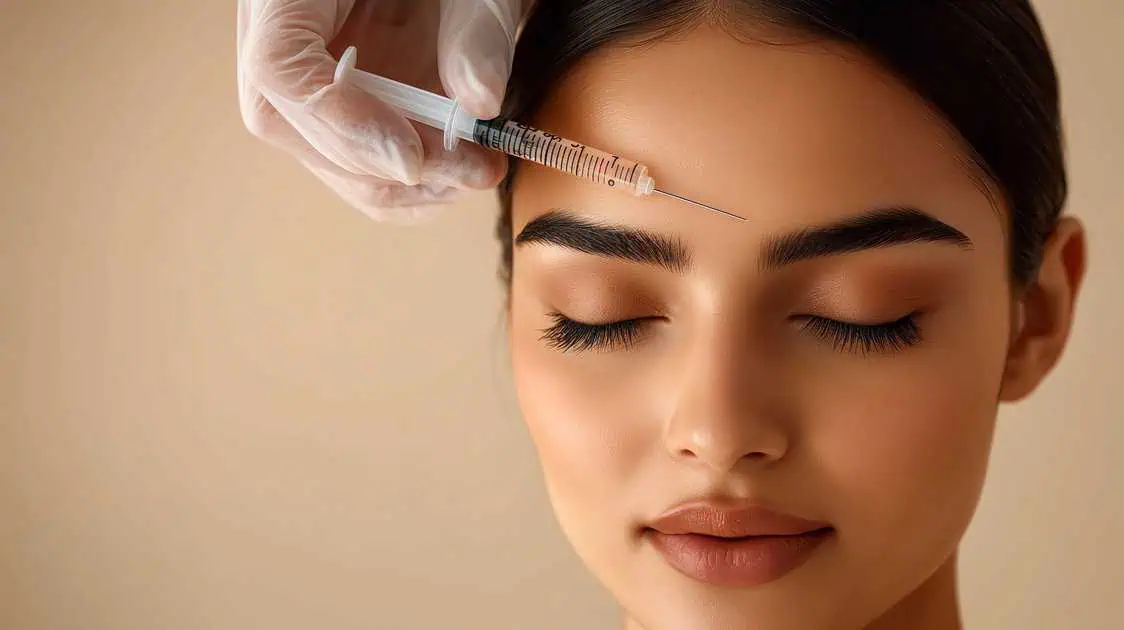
(378, 198)
(374, 196)
(264, 121)
(362, 134)
(284, 49)
(285, 57)
(385, 201)
(475, 48)
(468, 167)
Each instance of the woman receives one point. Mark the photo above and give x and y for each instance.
(784, 423)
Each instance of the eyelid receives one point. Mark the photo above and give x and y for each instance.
(855, 320)
(607, 322)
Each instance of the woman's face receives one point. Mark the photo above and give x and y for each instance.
(836, 358)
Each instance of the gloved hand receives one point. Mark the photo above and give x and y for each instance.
(378, 161)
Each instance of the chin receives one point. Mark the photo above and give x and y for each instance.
(659, 598)
(694, 611)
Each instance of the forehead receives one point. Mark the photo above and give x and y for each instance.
(784, 134)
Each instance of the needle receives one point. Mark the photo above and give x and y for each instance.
(703, 205)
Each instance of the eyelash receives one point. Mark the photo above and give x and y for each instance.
(568, 335)
(864, 339)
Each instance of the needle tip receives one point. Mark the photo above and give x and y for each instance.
(700, 204)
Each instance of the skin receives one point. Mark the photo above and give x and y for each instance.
(724, 393)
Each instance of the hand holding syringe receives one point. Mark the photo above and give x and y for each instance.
(510, 137)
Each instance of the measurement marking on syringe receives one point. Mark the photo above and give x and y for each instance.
(541, 146)
(555, 155)
(530, 138)
(524, 132)
(554, 151)
(538, 148)
(519, 138)
(547, 147)
(535, 146)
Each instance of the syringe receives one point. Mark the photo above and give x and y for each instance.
(510, 137)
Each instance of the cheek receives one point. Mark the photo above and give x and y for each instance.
(582, 415)
(911, 440)
(904, 442)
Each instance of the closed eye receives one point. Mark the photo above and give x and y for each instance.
(569, 335)
(884, 338)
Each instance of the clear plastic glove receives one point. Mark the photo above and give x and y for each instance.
(379, 162)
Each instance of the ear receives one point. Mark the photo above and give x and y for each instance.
(1043, 315)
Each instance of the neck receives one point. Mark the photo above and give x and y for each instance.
(933, 606)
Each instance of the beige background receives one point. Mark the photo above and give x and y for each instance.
(227, 401)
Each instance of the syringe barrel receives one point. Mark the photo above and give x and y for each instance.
(575, 158)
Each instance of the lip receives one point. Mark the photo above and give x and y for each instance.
(736, 545)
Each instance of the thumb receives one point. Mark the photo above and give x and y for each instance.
(475, 48)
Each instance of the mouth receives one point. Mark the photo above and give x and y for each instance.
(734, 546)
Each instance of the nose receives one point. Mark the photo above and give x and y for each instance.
(730, 412)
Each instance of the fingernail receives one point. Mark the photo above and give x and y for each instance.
(482, 91)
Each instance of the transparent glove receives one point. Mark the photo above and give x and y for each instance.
(379, 162)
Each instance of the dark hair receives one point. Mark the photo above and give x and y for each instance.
(982, 64)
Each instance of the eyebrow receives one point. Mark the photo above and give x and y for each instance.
(871, 230)
(572, 232)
